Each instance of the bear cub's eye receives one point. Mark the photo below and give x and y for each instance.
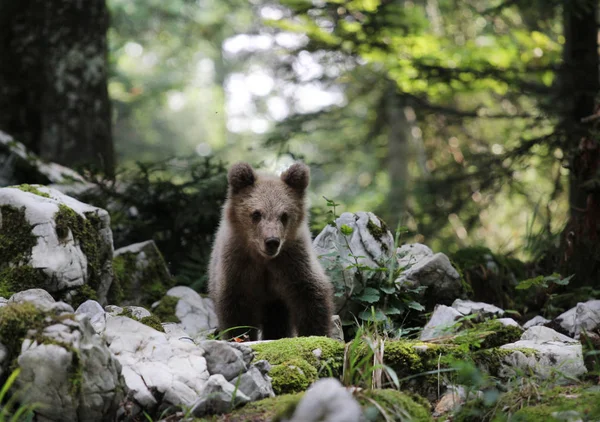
(284, 218)
(256, 216)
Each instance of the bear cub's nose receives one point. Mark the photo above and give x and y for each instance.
(272, 245)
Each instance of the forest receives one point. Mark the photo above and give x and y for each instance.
(454, 209)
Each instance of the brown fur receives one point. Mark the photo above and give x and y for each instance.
(263, 270)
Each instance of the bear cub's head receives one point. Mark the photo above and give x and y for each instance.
(267, 210)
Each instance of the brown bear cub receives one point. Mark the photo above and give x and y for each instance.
(264, 272)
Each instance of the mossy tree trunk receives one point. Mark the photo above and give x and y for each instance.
(580, 246)
(53, 80)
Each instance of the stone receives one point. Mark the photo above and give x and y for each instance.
(508, 322)
(18, 165)
(247, 352)
(196, 313)
(433, 272)
(327, 400)
(468, 307)
(583, 317)
(221, 358)
(95, 313)
(159, 370)
(441, 323)
(218, 396)
(137, 311)
(254, 384)
(555, 356)
(67, 370)
(370, 242)
(67, 239)
(453, 398)
(337, 330)
(142, 272)
(537, 320)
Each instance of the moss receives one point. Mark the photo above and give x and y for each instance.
(16, 243)
(16, 319)
(270, 409)
(397, 405)
(148, 278)
(284, 350)
(487, 335)
(87, 236)
(165, 311)
(150, 321)
(490, 360)
(16, 279)
(292, 376)
(31, 189)
(81, 294)
(378, 232)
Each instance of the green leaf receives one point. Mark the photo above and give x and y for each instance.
(390, 310)
(346, 230)
(564, 281)
(530, 282)
(388, 290)
(369, 295)
(368, 315)
(416, 306)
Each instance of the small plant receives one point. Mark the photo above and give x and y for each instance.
(10, 410)
(548, 284)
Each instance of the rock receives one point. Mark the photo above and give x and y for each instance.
(221, 358)
(17, 165)
(454, 396)
(423, 268)
(263, 366)
(142, 274)
(254, 384)
(537, 320)
(508, 322)
(157, 369)
(583, 317)
(442, 322)
(337, 331)
(218, 396)
(66, 368)
(370, 241)
(196, 313)
(137, 312)
(64, 247)
(468, 307)
(95, 313)
(3, 357)
(247, 352)
(327, 400)
(113, 310)
(550, 356)
(540, 334)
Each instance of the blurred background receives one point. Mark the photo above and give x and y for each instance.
(460, 120)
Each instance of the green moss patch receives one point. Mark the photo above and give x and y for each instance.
(16, 319)
(165, 311)
(150, 321)
(292, 376)
(87, 236)
(31, 189)
(271, 409)
(487, 335)
(397, 406)
(284, 350)
(147, 279)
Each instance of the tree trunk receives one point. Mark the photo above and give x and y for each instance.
(53, 80)
(580, 247)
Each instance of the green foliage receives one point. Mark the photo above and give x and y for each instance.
(175, 202)
(10, 410)
(543, 281)
(165, 311)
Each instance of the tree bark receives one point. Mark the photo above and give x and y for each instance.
(53, 80)
(580, 244)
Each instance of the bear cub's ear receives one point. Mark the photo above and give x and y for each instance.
(297, 176)
(240, 175)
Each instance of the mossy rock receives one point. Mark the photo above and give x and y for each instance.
(329, 363)
(492, 360)
(292, 376)
(398, 406)
(141, 275)
(270, 409)
(151, 321)
(536, 404)
(487, 334)
(165, 311)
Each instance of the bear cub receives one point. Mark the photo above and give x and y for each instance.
(263, 271)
